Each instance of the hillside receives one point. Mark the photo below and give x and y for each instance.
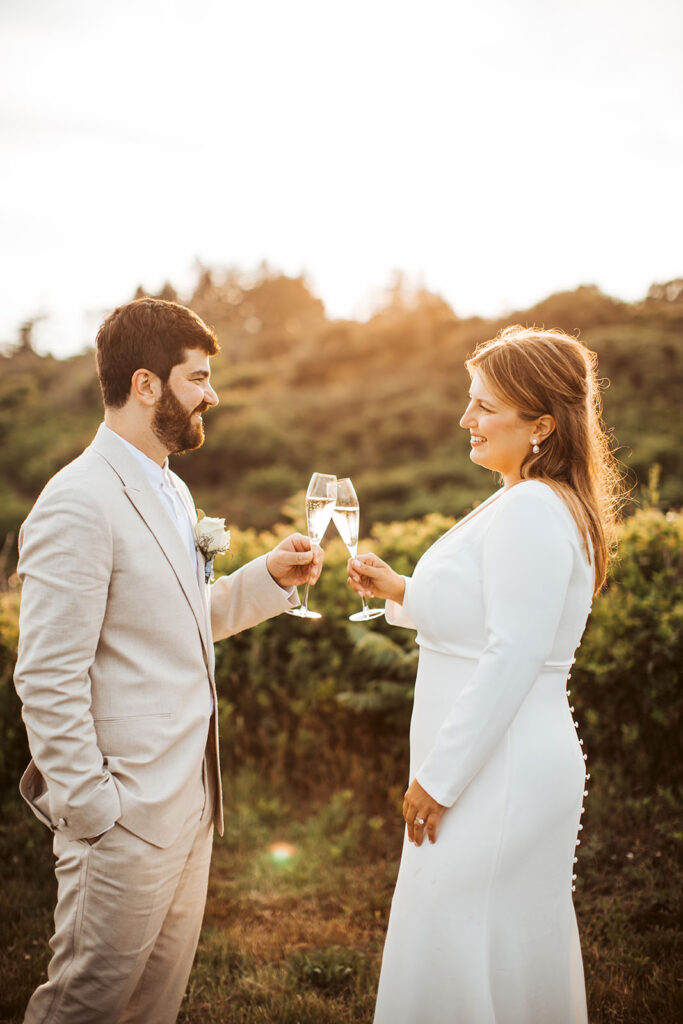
(379, 401)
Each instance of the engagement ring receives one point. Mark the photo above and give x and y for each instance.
(419, 821)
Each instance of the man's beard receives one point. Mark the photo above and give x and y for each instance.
(175, 426)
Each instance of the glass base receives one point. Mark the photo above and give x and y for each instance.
(303, 613)
(369, 613)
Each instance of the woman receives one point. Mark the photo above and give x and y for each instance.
(482, 927)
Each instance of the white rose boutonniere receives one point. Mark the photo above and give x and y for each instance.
(211, 538)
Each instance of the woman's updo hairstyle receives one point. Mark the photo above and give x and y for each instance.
(541, 372)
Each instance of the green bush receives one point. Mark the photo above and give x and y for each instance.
(337, 695)
(626, 685)
(13, 743)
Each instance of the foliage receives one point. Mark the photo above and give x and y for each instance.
(314, 721)
(627, 680)
(344, 699)
(379, 401)
(13, 744)
(338, 694)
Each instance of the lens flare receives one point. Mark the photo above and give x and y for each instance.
(281, 852)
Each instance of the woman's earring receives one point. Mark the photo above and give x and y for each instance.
(535, 448)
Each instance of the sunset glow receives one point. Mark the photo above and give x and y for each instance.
(494, 152)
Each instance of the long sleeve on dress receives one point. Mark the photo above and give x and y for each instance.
(527, 564)
(399, 614)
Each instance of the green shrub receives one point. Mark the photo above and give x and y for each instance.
(13, 743)
(626, 684)
(338, 695)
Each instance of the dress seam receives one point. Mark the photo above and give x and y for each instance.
(496, 865)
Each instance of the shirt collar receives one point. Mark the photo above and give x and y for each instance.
(152, 470)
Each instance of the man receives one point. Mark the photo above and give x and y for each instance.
(116, 675)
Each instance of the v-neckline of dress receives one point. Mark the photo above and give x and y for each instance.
(470, 515)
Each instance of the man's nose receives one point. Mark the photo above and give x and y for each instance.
(210, 395)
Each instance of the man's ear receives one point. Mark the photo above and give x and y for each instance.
(145, 386)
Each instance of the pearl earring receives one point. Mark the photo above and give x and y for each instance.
(535, 448)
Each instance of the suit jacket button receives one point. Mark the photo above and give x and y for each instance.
(61, 823)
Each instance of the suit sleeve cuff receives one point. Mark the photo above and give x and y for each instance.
(84, 824)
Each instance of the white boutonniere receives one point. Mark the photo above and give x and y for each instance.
(211, 538)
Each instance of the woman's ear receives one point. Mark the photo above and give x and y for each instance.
(145, 386)
(544, 427)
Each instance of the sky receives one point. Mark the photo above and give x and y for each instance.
(495, 151)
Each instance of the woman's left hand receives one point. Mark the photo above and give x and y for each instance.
(422, 813)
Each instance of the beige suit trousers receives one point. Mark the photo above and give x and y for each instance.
(127, 924)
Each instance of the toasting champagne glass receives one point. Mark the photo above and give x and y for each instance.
(320, 499)
(347, 521)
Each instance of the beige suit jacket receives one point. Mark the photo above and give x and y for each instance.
(116, 665)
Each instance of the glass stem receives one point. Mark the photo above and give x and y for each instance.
(305, 601)
(353, 552)
(308, 584)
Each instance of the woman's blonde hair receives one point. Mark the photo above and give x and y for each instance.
(541, 372)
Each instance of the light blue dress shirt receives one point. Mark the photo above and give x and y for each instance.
(160, 479)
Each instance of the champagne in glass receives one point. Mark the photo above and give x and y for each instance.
(347, 521)
(318, 514)
(320, 500)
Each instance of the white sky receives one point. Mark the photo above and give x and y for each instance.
(495, 150)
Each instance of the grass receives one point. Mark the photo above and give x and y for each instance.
(295, 916)
(299, 900)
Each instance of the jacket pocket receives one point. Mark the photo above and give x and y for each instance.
(34, 791)
(138, 738)
(135, 718)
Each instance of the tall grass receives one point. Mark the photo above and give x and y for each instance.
(299, 899)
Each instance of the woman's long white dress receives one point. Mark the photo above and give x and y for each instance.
(482, 927)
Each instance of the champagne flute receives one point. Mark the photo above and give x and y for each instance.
(320, 500)
(347, 521)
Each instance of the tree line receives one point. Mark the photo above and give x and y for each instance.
(378, 400)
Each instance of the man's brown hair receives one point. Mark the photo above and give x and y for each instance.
(149, 334)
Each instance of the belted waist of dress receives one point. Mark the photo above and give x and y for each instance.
(454, 651)
(471, 654)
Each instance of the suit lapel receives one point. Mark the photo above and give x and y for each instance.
(170, 542)
(158, 522)
(202, 584)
